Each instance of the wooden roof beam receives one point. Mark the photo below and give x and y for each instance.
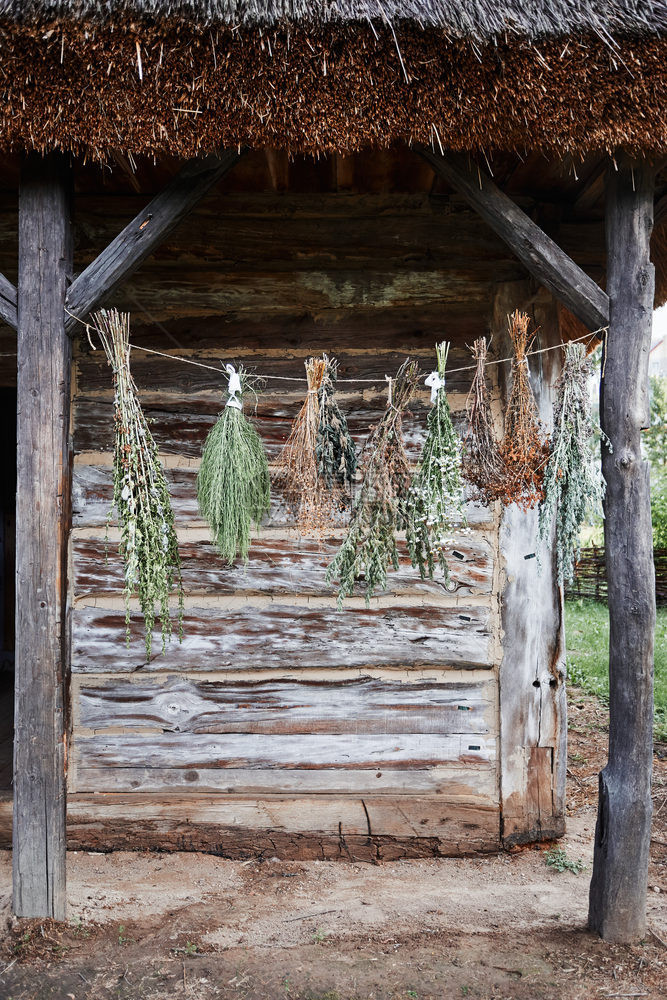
(541, 256)
(8, 300)
(145, 233)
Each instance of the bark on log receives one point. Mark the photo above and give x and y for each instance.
(42, 520)
(617, 906)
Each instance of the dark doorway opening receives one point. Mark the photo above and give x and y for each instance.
(7, 581)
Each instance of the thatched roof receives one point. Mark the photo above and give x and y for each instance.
(149, 76)
(478, 19)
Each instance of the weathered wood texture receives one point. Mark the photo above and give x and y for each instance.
(145, 232)
(42, 516)
(303, 828)
(532, 670)
(290, 637)
(8, 302)
(543, 258)
(282, 567)
(617, 909)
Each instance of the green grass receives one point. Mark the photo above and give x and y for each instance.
(587, 640)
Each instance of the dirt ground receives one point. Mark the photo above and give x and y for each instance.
(156, 926)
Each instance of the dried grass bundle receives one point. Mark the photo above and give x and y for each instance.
(482, 464)
(148, 543)
(524, 450)
(334, 447)
(312, 500)
(369, 548)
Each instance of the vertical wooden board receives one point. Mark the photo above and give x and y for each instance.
(290, 637)
(42, 519)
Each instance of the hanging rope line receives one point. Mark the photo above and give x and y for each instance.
(588, 337)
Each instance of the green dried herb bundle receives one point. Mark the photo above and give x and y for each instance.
(482, 465)
(334, 448)
(434, 507)
(148, 543)
(573, 488)
(233, 486)
(313, 501)
(369, 548)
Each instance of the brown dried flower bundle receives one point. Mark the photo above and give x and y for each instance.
(313, 502)
(482, 464)
(524, 449)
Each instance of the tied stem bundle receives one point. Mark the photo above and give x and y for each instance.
(313, 499)
(435, 504)
(573, 487)
(148, 543)
(523, 450)
(482, 465)
(369, 548)
(233, 487)
(334, 448)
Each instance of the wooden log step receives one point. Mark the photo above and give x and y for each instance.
(369, 705)
(92, 492)
(281, 567)
(292, 637)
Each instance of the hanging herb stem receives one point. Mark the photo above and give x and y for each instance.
(369, 548)
(334, 448)
(313, 500)
(482, 465)
(148, 544)
(434, 507)
(573, 487)
(233, 486)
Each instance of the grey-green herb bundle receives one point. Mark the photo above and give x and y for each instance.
(378, 512)
(334, 448)
(573, 487)
(148, 543)
(233, 486)
(434, 508)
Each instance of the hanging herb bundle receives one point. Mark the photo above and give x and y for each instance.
(148, 543)
(482, 465)
(233, 487)
(523, 450)
(334, 448)
(313, 500)
(572, 485)
(369, 548)
(434, 506)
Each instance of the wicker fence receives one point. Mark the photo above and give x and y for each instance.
(590, 576)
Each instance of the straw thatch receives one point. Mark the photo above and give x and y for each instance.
(185, 76)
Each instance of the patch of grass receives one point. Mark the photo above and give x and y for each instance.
(587, 641)
(557, 858)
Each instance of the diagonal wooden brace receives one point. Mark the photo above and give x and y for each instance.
(8, 299)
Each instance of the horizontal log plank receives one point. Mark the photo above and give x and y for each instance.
(92, 493)
(188, 705)
(291, 637)
(323, 827)
(456, 782)
(290, 752)
(281, 567)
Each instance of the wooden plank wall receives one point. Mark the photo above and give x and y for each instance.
(386, 718)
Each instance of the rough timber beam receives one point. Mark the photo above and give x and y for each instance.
(543, 258)
(145, 233)
(8, 298)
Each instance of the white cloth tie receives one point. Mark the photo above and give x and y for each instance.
(434, 381)
(234, 387)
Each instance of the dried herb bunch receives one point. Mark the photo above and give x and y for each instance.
(435, 503)
(313, 501)
(233, 487)
(523, 450)
(482, 465)
(573, 487)
(378, 512)
(148, 543)
(334, 448)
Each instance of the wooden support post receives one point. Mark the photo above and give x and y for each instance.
(617, 906)
(543, 258)
(42, 523)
